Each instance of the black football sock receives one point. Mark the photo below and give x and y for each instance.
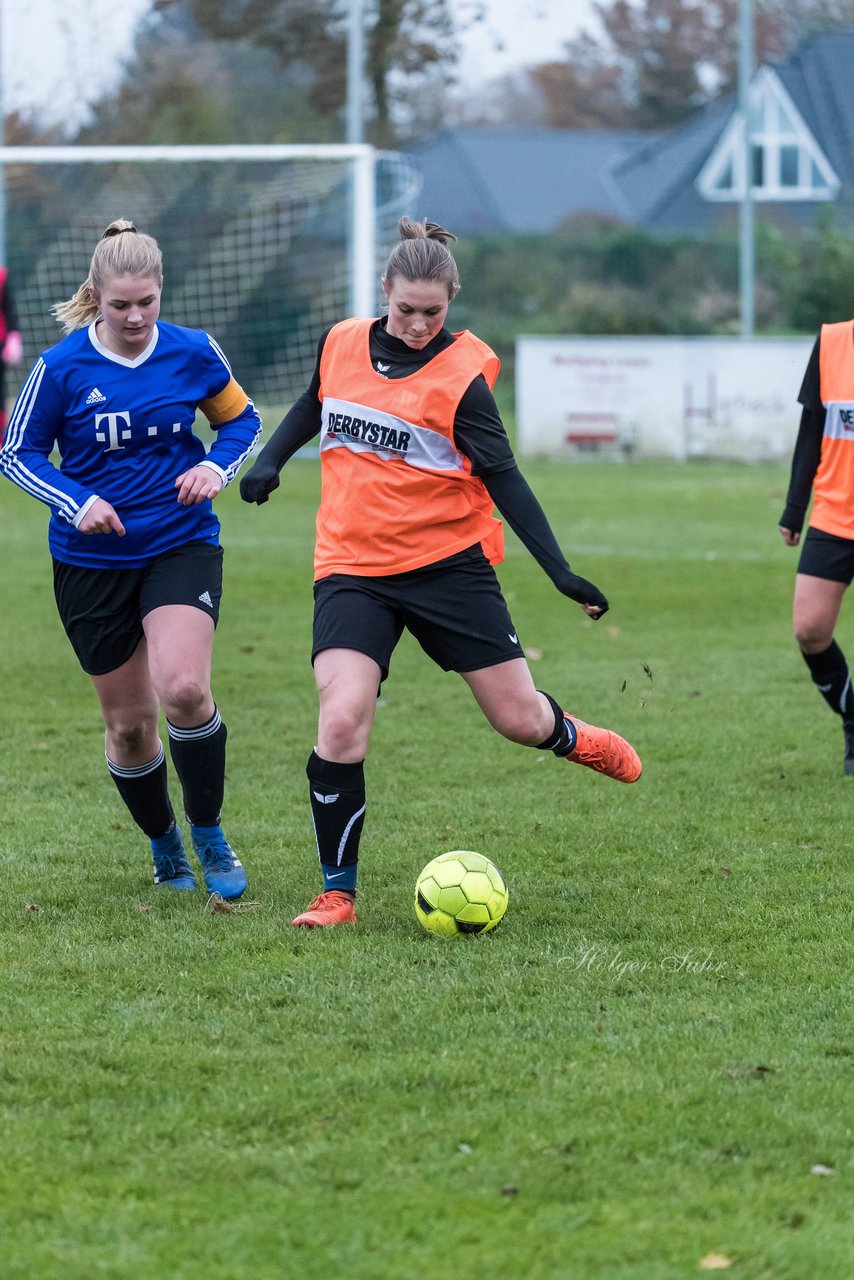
(562, 740)
(199, 759)
(831, 677)
(337, 794)
(144, 791)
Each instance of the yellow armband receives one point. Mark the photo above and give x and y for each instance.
(226, 404)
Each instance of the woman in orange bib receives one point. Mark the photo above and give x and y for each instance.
(414, 457)
(823, 465)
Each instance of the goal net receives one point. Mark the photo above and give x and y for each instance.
(263, 246)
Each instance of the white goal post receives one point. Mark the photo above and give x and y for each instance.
(264, 245)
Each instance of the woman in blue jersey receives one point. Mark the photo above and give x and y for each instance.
(414, 456)
(135, 543)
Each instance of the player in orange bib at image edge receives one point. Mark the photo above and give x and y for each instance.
(823, 463)
(414, 456)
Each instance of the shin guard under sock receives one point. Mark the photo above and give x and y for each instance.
(144, 791)
(562, 741)
(199, 758)
(831, 677)
(337, 795)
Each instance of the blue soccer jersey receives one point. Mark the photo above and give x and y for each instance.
(124, 432)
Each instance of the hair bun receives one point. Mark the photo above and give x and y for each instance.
(117, 228)
(410, 229)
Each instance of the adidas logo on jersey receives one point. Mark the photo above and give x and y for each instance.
(95, 397)
(205, 598)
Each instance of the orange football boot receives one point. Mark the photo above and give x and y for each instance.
(333, 907)
(604, 751)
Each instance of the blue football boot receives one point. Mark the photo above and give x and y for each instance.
(223, 870)
(171, 868)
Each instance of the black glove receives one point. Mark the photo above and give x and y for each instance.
(582, 591)
(259, 482)
(792, 518)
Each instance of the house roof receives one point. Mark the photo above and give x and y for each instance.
(654, 185)
(657, 173)
(520, 180)
(533, 180)
(818, 79)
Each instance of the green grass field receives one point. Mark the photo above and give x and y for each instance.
(644, 1073)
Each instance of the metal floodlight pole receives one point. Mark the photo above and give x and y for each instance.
(356, 72)
(361, 230)
(746, 258)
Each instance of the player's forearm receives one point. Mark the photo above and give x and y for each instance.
(299, 426)
(36, 475)
(518, 504)
(234, 442)
(805, 460)
(515, 500)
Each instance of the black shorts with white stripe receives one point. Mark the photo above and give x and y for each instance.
(102, 609)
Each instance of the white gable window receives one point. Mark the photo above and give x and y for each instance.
(783, 159)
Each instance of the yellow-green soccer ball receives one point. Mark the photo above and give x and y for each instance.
(460, 892)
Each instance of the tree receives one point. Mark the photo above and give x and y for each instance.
(801, 18)
(655, 63)
(409, 46)
(584, 91)
(187, 87)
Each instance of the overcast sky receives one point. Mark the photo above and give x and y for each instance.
(519, 33)
(59, 55)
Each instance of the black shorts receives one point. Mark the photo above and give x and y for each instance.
(454, 609)
(102, 609)
(824, 555)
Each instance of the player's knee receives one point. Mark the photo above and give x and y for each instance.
(344, 731)
(812, 635)
(129, 736)
(185, 700)
(520, 722)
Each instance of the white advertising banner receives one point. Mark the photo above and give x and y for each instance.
(659, 397)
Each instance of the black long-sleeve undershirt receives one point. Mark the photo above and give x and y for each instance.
(807, 453)
(805, 460)
(479, 434)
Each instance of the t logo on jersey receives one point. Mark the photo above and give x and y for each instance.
(110, 428)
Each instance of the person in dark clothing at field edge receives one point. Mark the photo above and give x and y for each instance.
(414, 456)
(823, 463)
(11, 347)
